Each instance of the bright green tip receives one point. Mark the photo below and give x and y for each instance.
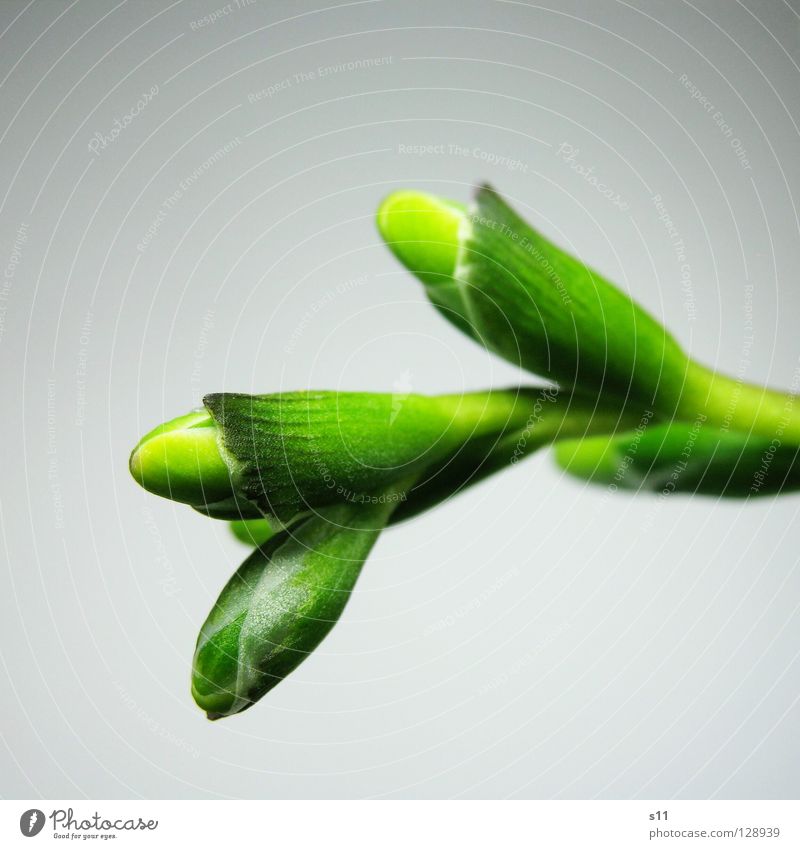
(252, 531)
(181, 460)
(423, 232)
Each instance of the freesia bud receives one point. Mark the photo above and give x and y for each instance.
(291, 453)
(181, 460)
(525, 299)
(281, 603)
(522, 297)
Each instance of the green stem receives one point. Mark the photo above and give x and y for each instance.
(547, 416)
(478, 414)
(545, 413)
(731, 404)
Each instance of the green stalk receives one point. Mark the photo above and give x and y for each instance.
(736, 405)
(288, 594)
(295, 452)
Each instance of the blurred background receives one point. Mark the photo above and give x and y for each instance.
(188, 192)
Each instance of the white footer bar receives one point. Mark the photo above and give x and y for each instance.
(402, 824)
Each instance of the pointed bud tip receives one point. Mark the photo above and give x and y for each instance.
(180, 460)
(218, 700)
(422, 231)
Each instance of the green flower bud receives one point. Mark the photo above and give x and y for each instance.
(181, 460)
(289, 593)
(423, 231)
(522, 297)
(291, 453)
(681, 457)
(530, 302)
(281, 603)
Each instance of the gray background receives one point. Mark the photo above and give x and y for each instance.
(533, 638)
